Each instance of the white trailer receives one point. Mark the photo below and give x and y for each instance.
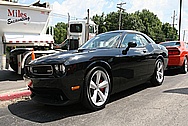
(23, 26)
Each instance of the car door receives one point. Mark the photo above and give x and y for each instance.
(134, 64)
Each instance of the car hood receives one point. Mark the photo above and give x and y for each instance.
(70, 56)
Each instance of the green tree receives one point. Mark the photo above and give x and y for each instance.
(153, 26)
(144, 21)
(112, 21)
(60, 32)
(100, 21)
(169, 32)
(133, 22)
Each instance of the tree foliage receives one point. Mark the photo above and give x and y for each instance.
(144, 21)
(169, 32)
(60, 32)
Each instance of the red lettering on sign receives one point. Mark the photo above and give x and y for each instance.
(16, 13)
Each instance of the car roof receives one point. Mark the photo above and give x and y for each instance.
(123, 31)
(128, 31)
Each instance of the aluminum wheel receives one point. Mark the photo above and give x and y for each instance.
(184, 67)
(158, 75)
(160, 71)
(99, 87)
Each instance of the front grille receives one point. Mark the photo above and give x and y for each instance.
(41, 70)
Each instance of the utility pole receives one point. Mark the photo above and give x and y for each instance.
(180, 19)
(87, 27)
(173, 19)
(173, 22)
(68, 32)
(120, 9)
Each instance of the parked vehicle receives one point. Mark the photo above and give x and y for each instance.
(23, 26)
(78, 33)
(178, 54)
(108, 63)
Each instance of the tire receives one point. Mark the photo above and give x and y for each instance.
(96, 88)
(158, 75)
(184, 67)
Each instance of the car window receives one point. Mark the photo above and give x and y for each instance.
(143, 40)
(128, 38)
(106, 40)
(170, 43)
(140, 40)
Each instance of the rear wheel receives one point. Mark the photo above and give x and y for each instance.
(158, 75)
(184, 67)
(96, 88)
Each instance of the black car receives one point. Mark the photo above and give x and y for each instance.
(108, 63)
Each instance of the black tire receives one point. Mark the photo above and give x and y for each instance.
(14, 65)
(158, 75)
(184, 67)
(96, 88)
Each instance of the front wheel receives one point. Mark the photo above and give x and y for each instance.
(158, 75)
(96, 89)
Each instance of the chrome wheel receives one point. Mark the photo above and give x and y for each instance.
(158, 75)
(160, 72)
(99, 88)
(184, 67)
(96, 89)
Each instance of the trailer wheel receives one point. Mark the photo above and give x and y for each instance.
(14, 66)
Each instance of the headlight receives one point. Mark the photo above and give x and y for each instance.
(62, 68)
(59, 69)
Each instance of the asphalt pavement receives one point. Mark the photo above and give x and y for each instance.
(144, 105)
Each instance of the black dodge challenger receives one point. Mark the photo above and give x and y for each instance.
(108, 63)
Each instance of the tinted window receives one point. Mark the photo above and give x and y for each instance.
(170, 44)
(128, 38)
(140, 40)
(76, 28)
(107, 40)
(143, 40)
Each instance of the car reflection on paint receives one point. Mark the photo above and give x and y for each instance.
(108, 63)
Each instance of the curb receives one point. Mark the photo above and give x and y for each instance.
(14, 95)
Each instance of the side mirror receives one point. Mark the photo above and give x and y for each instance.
(130, 44)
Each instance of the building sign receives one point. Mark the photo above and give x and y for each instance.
(16, 16)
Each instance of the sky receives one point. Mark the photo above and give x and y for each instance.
(77, 9)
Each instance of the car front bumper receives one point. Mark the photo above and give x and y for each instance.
(56, 91)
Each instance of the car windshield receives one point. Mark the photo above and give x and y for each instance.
(170, 44)
(106, 40)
